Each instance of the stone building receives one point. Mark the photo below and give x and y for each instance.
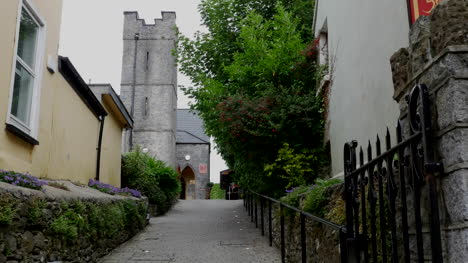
(149, 84)
(149, 91)
(193, 155)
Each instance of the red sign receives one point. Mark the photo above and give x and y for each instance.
(203, 168)
(421, 8)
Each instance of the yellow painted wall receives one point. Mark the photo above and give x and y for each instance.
(74, 134)
(111, 150)
(13, 151)
(68, 130)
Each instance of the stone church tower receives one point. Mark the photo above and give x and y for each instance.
(149, 84)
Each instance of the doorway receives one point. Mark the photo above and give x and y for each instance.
(187, 180)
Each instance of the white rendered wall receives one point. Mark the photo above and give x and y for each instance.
(362, 35)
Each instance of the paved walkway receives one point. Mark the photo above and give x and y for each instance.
(204, 231)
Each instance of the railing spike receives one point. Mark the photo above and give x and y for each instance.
(377, 144)
(398, 130)
(369, 152)
(388, 141)
(361, 156)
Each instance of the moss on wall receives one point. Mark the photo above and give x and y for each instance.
(37, 228)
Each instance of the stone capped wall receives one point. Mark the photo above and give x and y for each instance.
(322, 242)
(39, 226)
(438, 57)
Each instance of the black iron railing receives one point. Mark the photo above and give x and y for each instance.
(385, 194)
(385, 207)
(251, 200)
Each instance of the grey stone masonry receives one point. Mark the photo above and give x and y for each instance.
(438, 57)
(149, 84)
(199, 155)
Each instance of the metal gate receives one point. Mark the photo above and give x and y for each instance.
(391, 200)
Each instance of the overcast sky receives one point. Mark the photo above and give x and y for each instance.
(91, 37)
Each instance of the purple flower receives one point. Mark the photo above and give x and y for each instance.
(20, 179)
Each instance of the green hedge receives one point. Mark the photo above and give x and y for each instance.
(66, 230)
(217, 192)
(315, 197)
(152, 177)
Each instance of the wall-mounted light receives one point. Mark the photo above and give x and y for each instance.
(145, 150)
(187, 157)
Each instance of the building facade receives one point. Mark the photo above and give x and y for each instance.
(149, 91)
(193, 155)
(118, 119)
(52, 121)
(356, 43)
(149, 84)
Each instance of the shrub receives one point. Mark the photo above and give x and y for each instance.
(152, 177)
(217, 192)
(316, 200)
(98, 220)
(295, 194)
(7, 210)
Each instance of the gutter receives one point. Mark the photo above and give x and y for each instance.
(314, 24)
(132, 109)
(99, 147)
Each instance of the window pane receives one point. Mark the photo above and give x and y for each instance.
(22, 94)
(27, 38)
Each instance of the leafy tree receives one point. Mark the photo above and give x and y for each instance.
(255, 79)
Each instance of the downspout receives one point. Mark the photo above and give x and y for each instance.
(315, 17)
(98, 162)
(132, 109)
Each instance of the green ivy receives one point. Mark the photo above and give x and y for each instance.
(8, 207)
(317, 199)
(35, 211)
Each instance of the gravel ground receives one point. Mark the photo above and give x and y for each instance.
(198, 231)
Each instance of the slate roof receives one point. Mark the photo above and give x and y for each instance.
(190, 128)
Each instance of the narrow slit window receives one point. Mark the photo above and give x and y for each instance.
(146, 106)
(147, 61)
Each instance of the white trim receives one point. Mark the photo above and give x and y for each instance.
(33, 128)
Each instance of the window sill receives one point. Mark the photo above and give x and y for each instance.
(21, 134)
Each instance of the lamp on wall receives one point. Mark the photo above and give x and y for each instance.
(187, 157)
(145, 150)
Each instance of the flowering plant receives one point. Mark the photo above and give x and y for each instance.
(112, 190)
(20, 179)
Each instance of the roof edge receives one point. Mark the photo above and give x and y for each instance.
(117, 101)
(73, 78)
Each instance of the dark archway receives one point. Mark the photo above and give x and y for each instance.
(187, 179)
(183, 186)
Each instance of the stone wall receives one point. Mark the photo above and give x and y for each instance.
(323, 242)
(80, 225)
(438, 57)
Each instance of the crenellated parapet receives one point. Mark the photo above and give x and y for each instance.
(163, 28)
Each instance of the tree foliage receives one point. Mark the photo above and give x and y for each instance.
(255, 83)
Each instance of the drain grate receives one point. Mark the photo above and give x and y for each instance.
(234, 244)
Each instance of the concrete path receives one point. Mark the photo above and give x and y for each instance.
(198, 231)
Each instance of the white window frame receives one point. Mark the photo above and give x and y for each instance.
(32, 127)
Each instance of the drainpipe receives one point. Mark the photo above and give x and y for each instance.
(98, 162)
(132, 109)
